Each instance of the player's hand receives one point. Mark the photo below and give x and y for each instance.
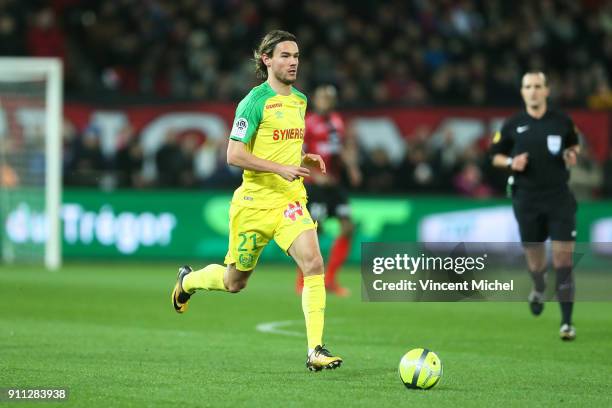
(520, 162)
(311, 160)
(291, 173)
(570, 156)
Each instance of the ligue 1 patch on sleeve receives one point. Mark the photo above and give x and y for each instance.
(240, 127)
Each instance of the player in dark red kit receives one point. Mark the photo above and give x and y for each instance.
(326, 136)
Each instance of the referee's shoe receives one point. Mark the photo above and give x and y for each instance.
(567, 332)
(536, 302)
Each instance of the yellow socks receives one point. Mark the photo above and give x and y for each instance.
(313, 297)
(209, 278)
(313, 305)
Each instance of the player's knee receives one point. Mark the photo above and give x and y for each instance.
(313, 265)
(236, 286)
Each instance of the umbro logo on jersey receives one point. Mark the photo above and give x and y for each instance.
(522, 129)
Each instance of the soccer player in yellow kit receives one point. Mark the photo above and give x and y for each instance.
(266, 141)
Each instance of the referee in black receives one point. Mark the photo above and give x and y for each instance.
(538, 145)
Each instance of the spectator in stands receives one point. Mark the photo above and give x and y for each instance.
(378, 172)
(174, 167)
(189, 143)
(129, 161)
(221, 175)
(601, 97)
(586, 176)
(606, 190)
(45, 38)
(417, 172)
(11, 39)
(422, 52)
(89, 166)
(410, 53)
(469, 182)
(8, 175)
(70, 146)
(445, 161)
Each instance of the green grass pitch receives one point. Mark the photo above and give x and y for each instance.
(108, 332)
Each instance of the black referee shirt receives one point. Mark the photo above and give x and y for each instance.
(544, 139)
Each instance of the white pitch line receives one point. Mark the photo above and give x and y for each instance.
(275, 328)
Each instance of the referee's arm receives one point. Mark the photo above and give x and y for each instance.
(500, 152)
(516, 163)
(570, 154)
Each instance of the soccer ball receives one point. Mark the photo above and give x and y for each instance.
(420, 368)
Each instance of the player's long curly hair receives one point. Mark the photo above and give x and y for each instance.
(266, 46)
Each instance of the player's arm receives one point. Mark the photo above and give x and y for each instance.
(238, 155)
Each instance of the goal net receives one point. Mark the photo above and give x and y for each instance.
(30, 160)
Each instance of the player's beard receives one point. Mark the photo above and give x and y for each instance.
(284, 79)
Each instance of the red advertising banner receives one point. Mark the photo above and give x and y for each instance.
(595, 126)
(214, 120)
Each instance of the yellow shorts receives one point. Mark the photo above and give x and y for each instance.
(252, 228)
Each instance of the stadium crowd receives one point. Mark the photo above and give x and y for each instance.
(410, 52)
(185, 161)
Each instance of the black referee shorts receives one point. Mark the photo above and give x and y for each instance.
(327, 202)
(545, 214)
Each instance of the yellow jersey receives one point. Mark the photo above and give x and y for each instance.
(272, 127)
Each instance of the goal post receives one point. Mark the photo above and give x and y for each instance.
(30, 103)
